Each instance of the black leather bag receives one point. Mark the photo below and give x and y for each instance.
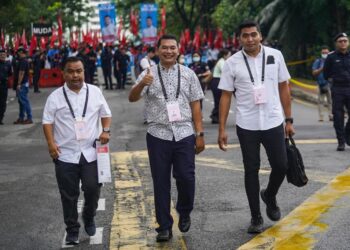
(296, 171)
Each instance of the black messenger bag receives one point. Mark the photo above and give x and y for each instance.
(296, 171)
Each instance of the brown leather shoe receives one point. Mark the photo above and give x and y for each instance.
(18, 121)
(27, 121)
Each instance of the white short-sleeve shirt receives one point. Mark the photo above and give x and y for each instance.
(235, 76)
(57, 112)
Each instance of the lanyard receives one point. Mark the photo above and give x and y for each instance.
(178, 83)
(262, 68)
(70, 106)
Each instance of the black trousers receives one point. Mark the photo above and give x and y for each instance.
(121, 78)
(340, 99)
(165, 156)
(216, 95)
(273, 141)
(36, 78)
(3, 99)
(107, 74)
(68, 176)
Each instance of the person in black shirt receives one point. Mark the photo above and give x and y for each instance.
(5, 72)
(106, 64)
(38, 65)
(23, 88)
(91, 64)
(337, 71)
(121, 64)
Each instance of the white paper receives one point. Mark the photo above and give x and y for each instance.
(103, 163)
(174, 113)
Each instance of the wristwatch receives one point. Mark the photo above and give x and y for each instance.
(289, 119)
(201, 134)
(106, 130)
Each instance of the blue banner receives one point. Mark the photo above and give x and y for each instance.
(149, 23)
(107, 13)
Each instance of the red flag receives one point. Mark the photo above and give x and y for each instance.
(16, 41)
(43, 43)
(187, 36)
(88, 38)
(53, 38)
(210, 38)
(204, 38)
(163, 18)
(120, 28)
(95, 40)
(24, 40)
(182, 43)
(133, 22)
(2, 39)
(33, 44)
(218, 39)
(197, 40)
(60, 30)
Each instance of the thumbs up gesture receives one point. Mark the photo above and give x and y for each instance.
(148, 78)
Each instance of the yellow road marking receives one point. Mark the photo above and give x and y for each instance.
(297, 230)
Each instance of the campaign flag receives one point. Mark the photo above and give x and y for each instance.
(33, 44)
(133, 22)
(60, 30)
(53, 38)
(107, 13)
(163, 17)
(24, 40)
(197, 40)
(2, 40)
(120, 28)
(149, 23)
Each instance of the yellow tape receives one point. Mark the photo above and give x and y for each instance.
(303, 85)
(301, 61)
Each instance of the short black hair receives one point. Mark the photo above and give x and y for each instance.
(167, 37)
(72, 59)
(151, 50)
(324, 47)
(248, 24)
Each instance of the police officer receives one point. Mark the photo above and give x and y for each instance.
(5, 72)
(337, 71)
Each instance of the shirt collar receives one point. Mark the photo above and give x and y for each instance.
(67, 89)
(165, 69)
(258, 55)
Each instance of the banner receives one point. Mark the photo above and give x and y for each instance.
(107, 15)
(149, 23)
(42, 29)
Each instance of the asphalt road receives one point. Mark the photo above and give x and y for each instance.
(31, 213)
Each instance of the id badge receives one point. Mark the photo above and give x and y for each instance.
(260, 95)
(81, 130)
(174, 113)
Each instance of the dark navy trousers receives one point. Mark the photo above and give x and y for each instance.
(341, 99)
(179, 158)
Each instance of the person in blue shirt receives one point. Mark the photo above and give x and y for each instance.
(324, 93)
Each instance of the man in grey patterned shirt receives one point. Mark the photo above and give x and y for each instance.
(175, 134)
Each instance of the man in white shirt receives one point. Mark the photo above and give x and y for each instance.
(147, 61)
(71, 120)
(259, 77)
(149, 34)
(109, 31)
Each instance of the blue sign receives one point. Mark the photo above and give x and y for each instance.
(107, 13)
(149, 23)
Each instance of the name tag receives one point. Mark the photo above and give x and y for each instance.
(260, 95)
(81, 130)
(174, 113)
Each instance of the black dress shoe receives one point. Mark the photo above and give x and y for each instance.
(341, 146)
(256, 225)
(272, 210)
(184, 223)
(164, 235)
(89, 226)
(72, 238)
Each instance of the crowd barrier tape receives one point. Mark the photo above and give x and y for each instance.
(301, 61)
(303, 85)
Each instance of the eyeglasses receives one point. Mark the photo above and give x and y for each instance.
(343, 41)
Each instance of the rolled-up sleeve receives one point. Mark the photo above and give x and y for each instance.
(49, 111)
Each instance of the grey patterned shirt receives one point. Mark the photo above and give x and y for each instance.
(156, 111)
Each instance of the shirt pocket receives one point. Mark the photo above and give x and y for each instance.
(271, 71)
